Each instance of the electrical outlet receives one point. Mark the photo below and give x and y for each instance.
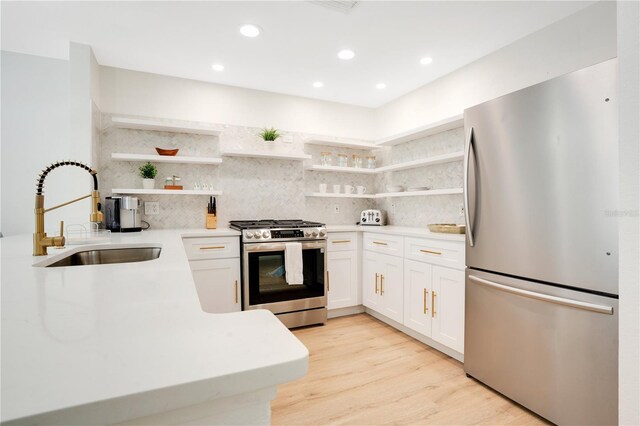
(336, 209)
(461, 209)
(151, 207)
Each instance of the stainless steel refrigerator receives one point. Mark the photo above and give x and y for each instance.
(541, 320)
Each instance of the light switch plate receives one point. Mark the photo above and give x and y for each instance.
(151, 207)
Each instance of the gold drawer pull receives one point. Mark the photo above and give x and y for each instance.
(431, 252)
(424, 301)
(380, 243)
(376, 283)
(212, 247)
(381, 284)
(340, 241)
(236, 288)
(433, 304)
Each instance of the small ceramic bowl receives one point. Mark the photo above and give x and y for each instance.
(169, 152)
(396, 188)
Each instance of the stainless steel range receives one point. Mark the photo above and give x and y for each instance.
(264, 284)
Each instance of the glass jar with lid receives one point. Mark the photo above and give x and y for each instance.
(371, 162)
(325, 158)
(356, 161)
(343, 160)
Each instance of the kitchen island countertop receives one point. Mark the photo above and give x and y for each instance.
(109, 343)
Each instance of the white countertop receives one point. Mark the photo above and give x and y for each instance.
(404, 231)
(115, 342)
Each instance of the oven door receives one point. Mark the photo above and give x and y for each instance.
(264, 283)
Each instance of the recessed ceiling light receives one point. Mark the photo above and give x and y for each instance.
(426, 60)
(381, 86)
(250, 30)
(217, 67)
(346, 54)
(318, 84)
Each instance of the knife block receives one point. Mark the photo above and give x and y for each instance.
(212, 221)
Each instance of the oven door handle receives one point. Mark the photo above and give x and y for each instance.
(261, 247)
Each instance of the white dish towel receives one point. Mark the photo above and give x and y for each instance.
(293, 263)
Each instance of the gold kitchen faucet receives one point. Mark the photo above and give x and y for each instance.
(40, 240)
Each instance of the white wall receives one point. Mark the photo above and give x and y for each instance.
(580, 40)
(629, 231)
(36, 131)
(138, 93)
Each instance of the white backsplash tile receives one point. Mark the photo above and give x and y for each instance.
(275, 189)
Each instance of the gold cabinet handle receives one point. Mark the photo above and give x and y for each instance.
(380, 243)
(340, 241)
(328, 283)
(376, 283)
(236, 291)
(212, 247)
(431, 252)
(381, 284)
(424, 301)
(433, 304)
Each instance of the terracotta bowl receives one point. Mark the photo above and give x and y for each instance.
(169, 152)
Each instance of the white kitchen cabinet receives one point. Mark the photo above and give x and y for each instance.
(370, 281)
(448, 307)
(342, 279)
(417, 294)
(383, 284)
(218, 284)
(215, 266)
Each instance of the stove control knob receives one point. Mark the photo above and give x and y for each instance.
(307, 234)
(249, 234)
(314, 233)
(257, 235)
(323, 232)
(266, 234)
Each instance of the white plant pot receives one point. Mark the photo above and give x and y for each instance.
(148, 183)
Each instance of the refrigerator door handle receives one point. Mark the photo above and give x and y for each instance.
(608, 310)
(467, 154)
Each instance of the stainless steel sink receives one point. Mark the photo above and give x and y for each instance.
(106, 256)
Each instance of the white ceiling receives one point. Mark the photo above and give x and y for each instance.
(298, 45)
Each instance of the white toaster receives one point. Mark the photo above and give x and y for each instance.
(372, 218)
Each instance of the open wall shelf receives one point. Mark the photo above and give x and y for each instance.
(342, 144)
(136, 191)
(154, 158)
(266, 154)
(430, 192)
(162, 126)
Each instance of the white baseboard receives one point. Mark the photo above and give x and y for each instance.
(424, 339)
(341, 312)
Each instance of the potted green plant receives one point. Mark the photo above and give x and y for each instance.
(269, 134)
(148, 174)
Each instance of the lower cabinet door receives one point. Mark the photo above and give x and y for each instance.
(391, 286)
(448, 307)
(417, 296)
(371, 281)
(218, 284)
(342, 277)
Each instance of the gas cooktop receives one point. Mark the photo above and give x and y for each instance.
(282, 230)
(273, 224)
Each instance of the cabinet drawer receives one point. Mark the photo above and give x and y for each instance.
(437, 252)
(342, 241)
(382, 243)
(212, 247)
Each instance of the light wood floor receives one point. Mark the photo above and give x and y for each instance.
(364, 372)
